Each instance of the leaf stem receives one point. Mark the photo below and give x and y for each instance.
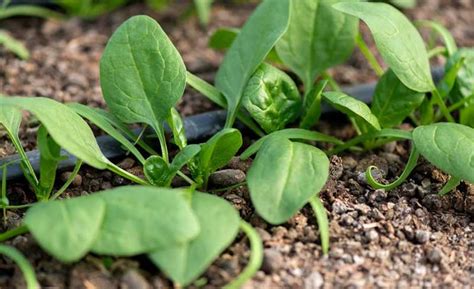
(13, 233)
(323, 222)
(162, 139)
(411, 164)
(442, 105)
(123, 173)
(256, 257)
(374, 64)
(186, 178)
(23, 264)
(449, 186)
(69, 180)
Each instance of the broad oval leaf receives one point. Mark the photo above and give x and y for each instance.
(219, 223)
(157, 171)
(141, 219)
(65, 126)
(448, 146)
(142, 74)
(309, 47)
(66, 229)
(393, 101)
(272, 98)
(283, 177)
(352, 107)
(256, 39)
(398, 41)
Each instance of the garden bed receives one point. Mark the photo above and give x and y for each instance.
(408, 236)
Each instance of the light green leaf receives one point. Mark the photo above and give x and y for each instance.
(444, 33)
(398, 41)
(141, 219)
(177, 128)
(352, 107)
(14, 45)
(267, 24)
(272, 98)
(66, 127)
(219, 150)
(448, 146)
(50, 153)
(10, 118)
(464, 85)
(203, 8)
(142, 74)
(309, 47)
(100, 120)
(283, 177)
(393, 101)
(290, 133)
(219, 224)
(23, 264)
(66, 229)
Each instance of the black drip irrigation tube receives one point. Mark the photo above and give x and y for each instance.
(197, 127)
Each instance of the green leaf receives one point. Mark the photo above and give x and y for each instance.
(203, 8)
(272, 98)
(10, 118)
(312, 105)
(290, 133)
(448, 146)
(283, 177)
(157, 171)
(14, 45)
(309, 47)
(219, 150)
(267, 24)
(141, 219)
(50, 153)
(177, 127)
(467, 116)
(23, 264)
(219, 223)
(66, 229)
(352, 107)
(184, 157)
(142, 74)
(464, 86)
(446, 36)
(100, 120)
(398, 41)
(66, 127)
(393, 101)
(404, 4)
(223, 38)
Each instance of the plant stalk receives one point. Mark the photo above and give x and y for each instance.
(374, 64)
(13, 233)
(323, 222)
(69, 180)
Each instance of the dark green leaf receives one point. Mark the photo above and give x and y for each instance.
(184, 157)
(464, 86)
(67, 229)
(142, 74)
(219, 223)
(219, 150)
(352, 107)
(398, 41)
(157, 171)
(272, 99)
(50, 153)
(267, 24)
(448, 146)
(393, 101)
(312, 105)
(318, 37)
(283, 177)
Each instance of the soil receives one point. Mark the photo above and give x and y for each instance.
(405, 238)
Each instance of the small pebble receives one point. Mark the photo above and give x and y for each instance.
(272, 261)
(127, 163)
(434, 255)
(77, 181)
(134, 280)
(422, 236)
(227, 177)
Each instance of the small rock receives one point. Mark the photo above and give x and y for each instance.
(272, 261)
(434, 255)
(77, 181)
(264, 235)
(347, 220)
(134, 280)
(469, 204)
(227, 177)
(422, 236)
(349, 162)
(336, 168)
(314, 281)
(362, 208)
(390, 147)
(338, 207)
(371, 235)
(377, 196)
(127, 163)
(106, 185)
